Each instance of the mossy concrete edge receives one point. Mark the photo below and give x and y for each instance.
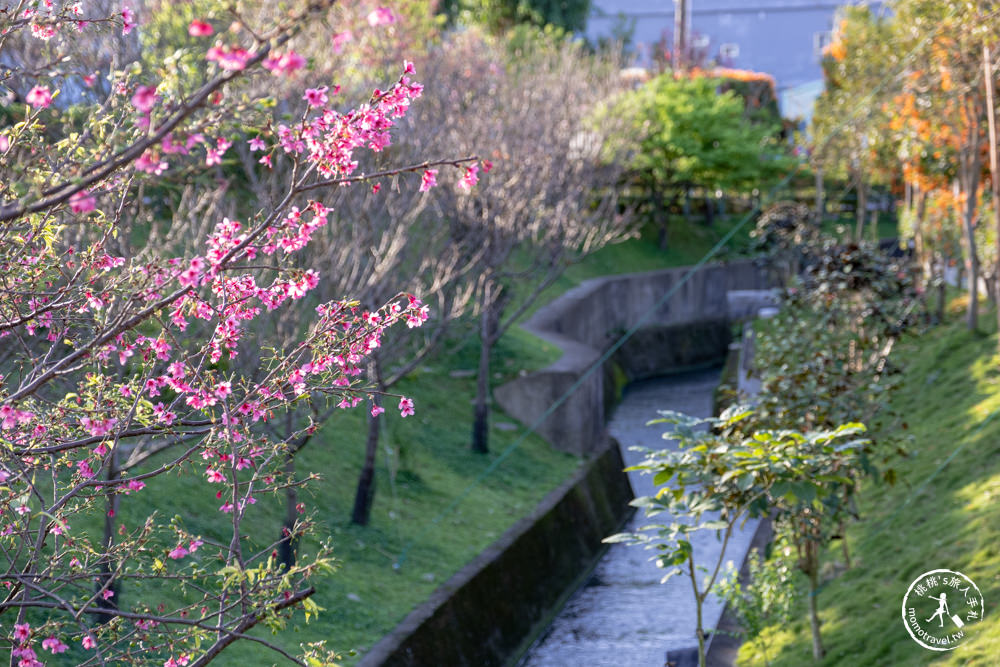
(481, 616)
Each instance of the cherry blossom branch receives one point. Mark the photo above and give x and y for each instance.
(382, 174)
(61, 193)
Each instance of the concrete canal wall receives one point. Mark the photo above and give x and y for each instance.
(483, 614)
(690, 328)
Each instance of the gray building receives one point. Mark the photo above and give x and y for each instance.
(784, 38)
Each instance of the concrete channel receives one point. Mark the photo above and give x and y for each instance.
(623, 616)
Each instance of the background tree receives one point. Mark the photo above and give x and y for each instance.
(526, 230)
(683, 134)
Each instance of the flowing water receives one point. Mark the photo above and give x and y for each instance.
(623, 616)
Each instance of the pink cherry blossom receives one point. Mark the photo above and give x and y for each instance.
(88, 642)
(128, 22)
(316, 97)
(178, 552)
(257, 144)
(381, 16)
(341, 39)
(405, 406)
(39, 97)
(84, 469)
(144, 98)
(43, 32)
(199, 29)
(54, 645)
(284, 64)
(229, 58)
(82, 202)
(151, 163)
(377, 410)
(4, 143)
(470, 178)
(22, 632)
(428, 180)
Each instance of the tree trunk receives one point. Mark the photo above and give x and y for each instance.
(288, 543)
(970, 186)
(820, 195)
(106, 567)
(663, 221)
(991, 119)
(924, 261)
(942, 288)
(709, 209)
(480, 422)
(699, 601)
(817, 640)
(491, 310)
(365, 493)
(861, 211)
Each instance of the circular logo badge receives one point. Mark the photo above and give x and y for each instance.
(938, 608)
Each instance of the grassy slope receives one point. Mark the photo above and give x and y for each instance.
(951, 384)
(424, 465)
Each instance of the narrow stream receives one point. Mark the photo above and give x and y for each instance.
(623, 616)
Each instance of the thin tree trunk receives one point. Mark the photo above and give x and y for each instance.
(288, 543)
(970, 184)
(923, 260)
(861, 211)
(365, 493)
(698, 602)
(820, 195)
(942, 288)
(104, 580)
(480, 423)
(364, 496)
(991, 119)
(817, 640)
(663, 221)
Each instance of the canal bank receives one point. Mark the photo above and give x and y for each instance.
(623, 615)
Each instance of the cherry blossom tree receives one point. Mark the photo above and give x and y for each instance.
(551, 200)
(136, 278)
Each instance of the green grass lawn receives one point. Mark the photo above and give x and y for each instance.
(688, 244)
(941, 514)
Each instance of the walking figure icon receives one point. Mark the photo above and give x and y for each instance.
(941, 610)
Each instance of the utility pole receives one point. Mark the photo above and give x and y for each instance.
(681, 37)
